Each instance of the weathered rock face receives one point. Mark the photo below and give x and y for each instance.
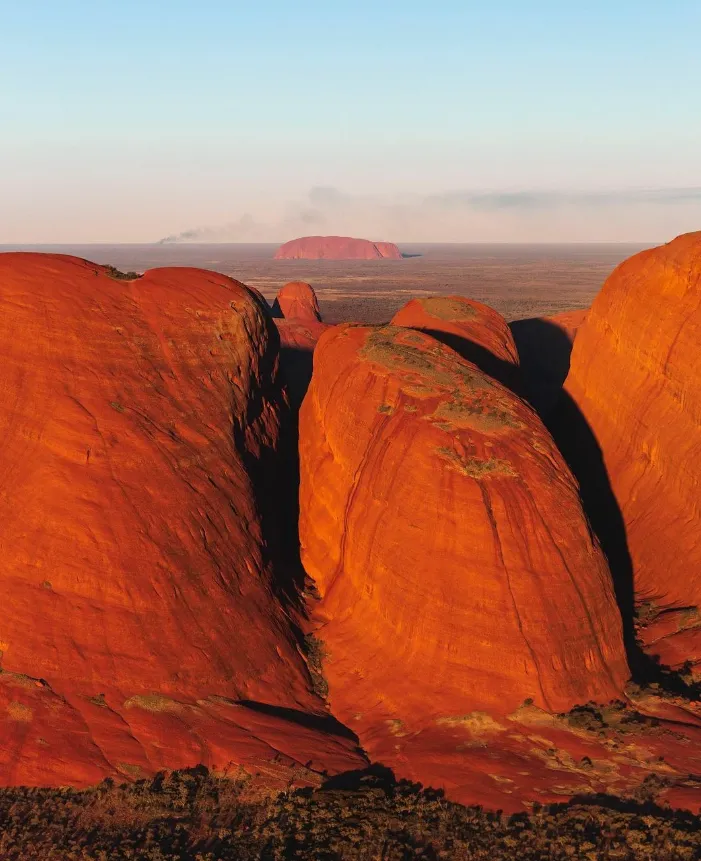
(297, 301)
(634, 380)
(475, 331)
(336, 248)
(544, 346)
(444, 532)
(140, 609)
(625, 748)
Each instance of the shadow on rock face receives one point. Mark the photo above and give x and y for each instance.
(498, 369)
(295, 374)
(579, 446)
(276, 476)
(544, 354)
(296, 370)
(276, 310)
(376, 776)
(581, 450)
(322, 723)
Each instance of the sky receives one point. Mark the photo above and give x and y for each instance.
(221, 120)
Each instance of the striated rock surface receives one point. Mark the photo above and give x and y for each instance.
(635, 392)
(455, 569)
(336, 248)
(645, 747)
(544, 346)
(143, 625)
(475, 331)
(465, 617)
(297, 301)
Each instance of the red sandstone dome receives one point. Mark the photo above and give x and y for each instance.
(475, 331)
(143, 624)
(635, 384)
(297, 301)
(456, 571)
(446, 539)
(336, 248)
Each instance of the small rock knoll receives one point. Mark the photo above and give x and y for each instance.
(297, 301)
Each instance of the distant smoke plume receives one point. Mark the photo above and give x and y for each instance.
(471, 216)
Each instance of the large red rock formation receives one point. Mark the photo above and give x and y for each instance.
(646, 747)
(336, 248)
(455, 568)
(634, 380)
(462, 599)
(477, 332)
(297, 301)
(141, 624)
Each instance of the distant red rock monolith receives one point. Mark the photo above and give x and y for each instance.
(336, 248)
(141, 625)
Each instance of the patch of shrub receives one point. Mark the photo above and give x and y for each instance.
(364, 815)
(115, 273)
(316, 652)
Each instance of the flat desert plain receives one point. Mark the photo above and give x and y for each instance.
(517, 280)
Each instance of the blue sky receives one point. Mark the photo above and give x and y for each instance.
(127, 121)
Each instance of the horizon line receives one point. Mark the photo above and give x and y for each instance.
(187, 244)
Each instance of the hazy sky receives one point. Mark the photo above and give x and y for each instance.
(130, 120)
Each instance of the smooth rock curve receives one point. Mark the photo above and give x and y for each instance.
(444, 533)
(142, 622)
(635, 389)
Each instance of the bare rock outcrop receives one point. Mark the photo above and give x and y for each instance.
(142, 625)
(455, 569)
(634, 401)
